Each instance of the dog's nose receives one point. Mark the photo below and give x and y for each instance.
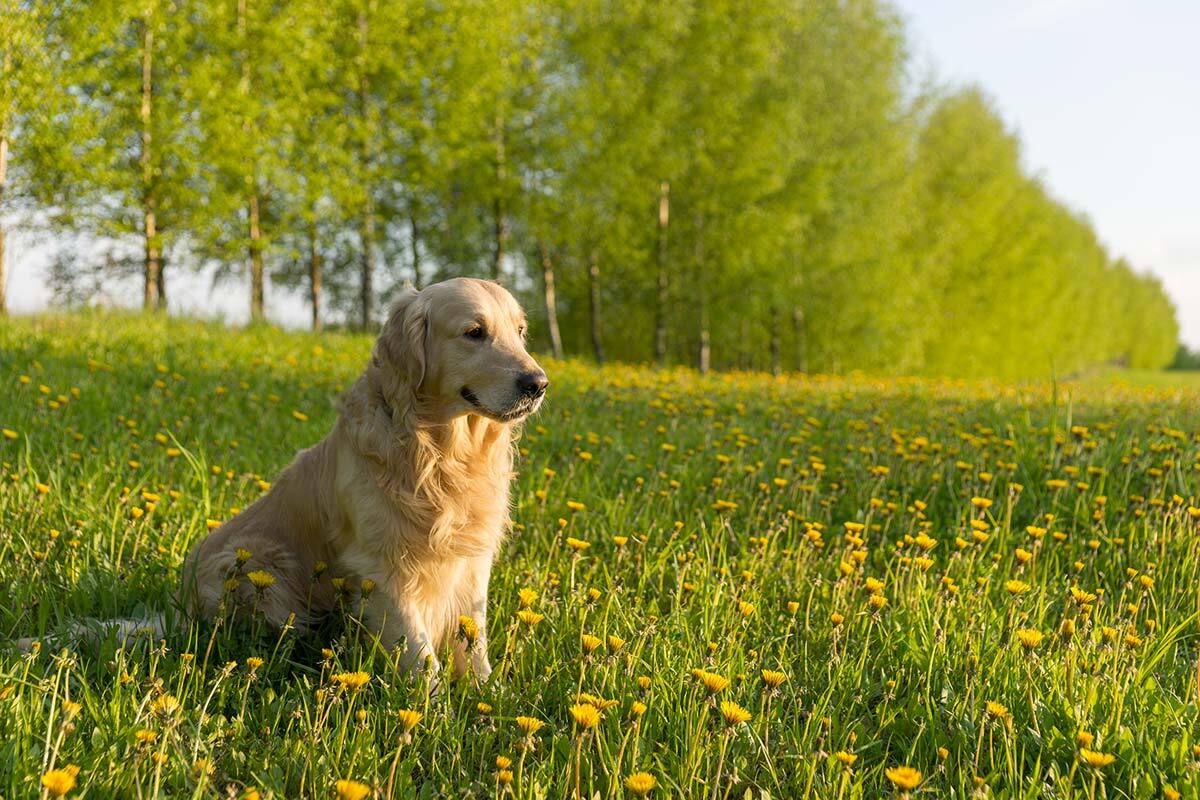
(532, 384)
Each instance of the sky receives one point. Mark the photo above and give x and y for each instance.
(1103, 94)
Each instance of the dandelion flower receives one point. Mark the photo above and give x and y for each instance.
(351, 790)
(996, 710)
(1029, 638)
(847, 759)
(164, 705)
(60, 781)
(530, 618)
(527, 597)
(1095, 759)
(261, 579)
(773, 678)
(530, 725)
(711, 681)
(733, 713)
(408, 718)
(905, 778)
(640, 784)
(590, 642)
(586, 715)
(352, 681)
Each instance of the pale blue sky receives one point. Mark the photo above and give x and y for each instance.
(1106, 97)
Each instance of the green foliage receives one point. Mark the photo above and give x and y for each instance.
(823, 215)
(709, 505)
(1186, 359)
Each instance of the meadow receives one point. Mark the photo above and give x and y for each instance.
(722, 586)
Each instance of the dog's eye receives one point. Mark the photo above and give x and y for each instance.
(477, 333)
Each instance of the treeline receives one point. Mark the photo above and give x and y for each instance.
(710, 183)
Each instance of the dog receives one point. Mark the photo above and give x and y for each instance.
(401, 509)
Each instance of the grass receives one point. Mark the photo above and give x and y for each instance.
(888, 547)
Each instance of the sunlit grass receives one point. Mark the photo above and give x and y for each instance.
(814, 587)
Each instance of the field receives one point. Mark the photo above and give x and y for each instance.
(723, 586)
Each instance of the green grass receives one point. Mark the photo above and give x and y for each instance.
(733, 492)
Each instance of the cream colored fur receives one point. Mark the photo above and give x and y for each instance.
(409, 490)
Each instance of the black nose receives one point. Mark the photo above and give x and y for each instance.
(532, 384)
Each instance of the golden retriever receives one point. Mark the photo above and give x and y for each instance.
(401, 509)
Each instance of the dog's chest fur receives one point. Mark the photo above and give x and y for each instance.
(428, 522)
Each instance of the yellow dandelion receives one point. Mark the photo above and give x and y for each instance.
(586, 715)
(261, 579)
(905, 778)
(352, 681)
(351, 790)
(1016, 587)
(529, 617)
(733, 713)
(527, 597)
(711, 681)
(640, 784)
(530, 725)
(846, 759)
(408, 718)
(164, 705)
(468, 629)
(58, 782)
(1095, 759)
(578, 545)
(996, 710)
(773, 678)
(1029, 638)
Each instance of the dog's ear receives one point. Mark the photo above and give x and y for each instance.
(402, 342)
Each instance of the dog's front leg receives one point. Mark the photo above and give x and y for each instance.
(398, 625)
(475, 654)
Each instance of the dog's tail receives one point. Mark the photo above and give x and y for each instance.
(124, 630)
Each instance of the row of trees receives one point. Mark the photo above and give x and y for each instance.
(711, 183)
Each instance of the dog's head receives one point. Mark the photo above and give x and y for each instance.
(459, 347)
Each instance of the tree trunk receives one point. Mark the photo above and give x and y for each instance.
(594, 304)
(256, 259)
(367, 223)
(152, 299)
(801, 344)
(253, 215)
(551, 301)
(704, 354)
(414, 242)
(776, 366)
(314, 277)
(367, 288)
(162, 281)
(499, 210)
(660, 315)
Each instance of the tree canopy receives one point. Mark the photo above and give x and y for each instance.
(715, 184)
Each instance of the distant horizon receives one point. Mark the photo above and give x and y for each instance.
(1087, 83)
